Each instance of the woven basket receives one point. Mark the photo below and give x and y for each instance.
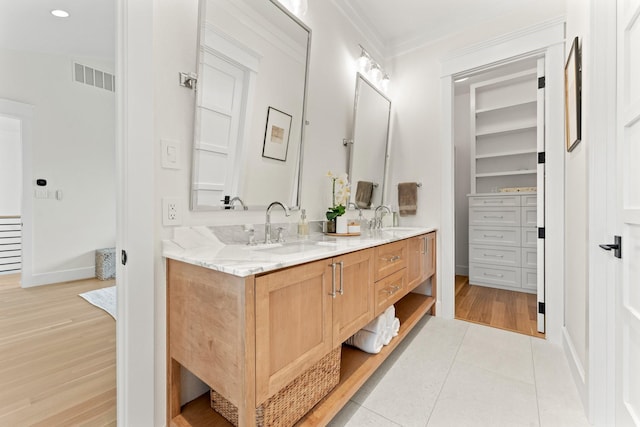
(286, 407)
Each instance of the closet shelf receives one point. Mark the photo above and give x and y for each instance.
(506, 153)
(508, 128)
(507, 173)
(506, 106)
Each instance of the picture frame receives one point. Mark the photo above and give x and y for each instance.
(276, 135)
(572, 96)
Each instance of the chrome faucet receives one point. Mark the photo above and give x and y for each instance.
(378, 221)
(267, 224)
(239, 200)
(357, 207)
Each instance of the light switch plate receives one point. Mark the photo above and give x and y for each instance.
(170, 153)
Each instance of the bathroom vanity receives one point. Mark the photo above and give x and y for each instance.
(248, 321)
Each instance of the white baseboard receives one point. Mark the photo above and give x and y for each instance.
(462, 270)
(40, 279)
(576, 367)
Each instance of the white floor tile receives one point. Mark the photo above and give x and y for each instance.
(474, 396)
(503, 352)
(354, 415)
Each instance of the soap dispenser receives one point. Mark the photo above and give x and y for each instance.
(303, 225)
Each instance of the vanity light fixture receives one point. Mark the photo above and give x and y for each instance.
(59, 13)
(374, 72)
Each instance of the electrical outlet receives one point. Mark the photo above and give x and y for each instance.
(171, 211)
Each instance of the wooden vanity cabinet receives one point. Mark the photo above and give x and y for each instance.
(421, 259)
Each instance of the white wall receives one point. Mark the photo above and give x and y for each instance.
(10, 167)
(462, 143)
(73, 149)
(334, 49)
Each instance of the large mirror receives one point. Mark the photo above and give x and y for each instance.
(253, 58)
(369, 147)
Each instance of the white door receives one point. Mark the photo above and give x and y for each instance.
(628, 290)
(540, 178)
(219, 116)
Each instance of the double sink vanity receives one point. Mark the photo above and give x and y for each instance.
(250, 320)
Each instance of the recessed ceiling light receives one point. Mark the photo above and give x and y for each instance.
(59, 13)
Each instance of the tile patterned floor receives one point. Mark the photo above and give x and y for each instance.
(453, 373)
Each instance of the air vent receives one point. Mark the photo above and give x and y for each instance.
(93, 77)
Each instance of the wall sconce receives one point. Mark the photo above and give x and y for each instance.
(374, 72)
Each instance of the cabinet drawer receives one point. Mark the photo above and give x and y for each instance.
(390, 258)
(502, 236)
(495, 216)
(529, 216)
(389, 290)
(502, 276)
(529, 257)
(529, 237)
(498, 255)
(529, 279)
(494, 201)
(531, 200)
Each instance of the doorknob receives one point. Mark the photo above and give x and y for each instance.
(616, 246)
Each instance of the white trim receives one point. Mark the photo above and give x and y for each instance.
(25, 113)
(39, 279)
(545, 39)
(135, 216)
(601, 172)
(575, 366)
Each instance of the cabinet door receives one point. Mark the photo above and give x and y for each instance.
(416, 247)
(293, 324)
(429, 256)
(353, 304)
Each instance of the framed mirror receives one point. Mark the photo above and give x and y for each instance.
(253, 62)
(369, 148)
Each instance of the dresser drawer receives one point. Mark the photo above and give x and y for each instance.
(529, 237)
(497, 255)
(502, 236)
(531, 200)
(389, 290)
(502, 276)
(494, 201)
(529, 258)
(529, 216)
(508, 217)
(530, 279)
(390, 258)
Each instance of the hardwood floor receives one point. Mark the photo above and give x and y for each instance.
(58, 356)
(513, 311)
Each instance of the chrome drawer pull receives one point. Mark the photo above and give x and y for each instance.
(333, 281)
(494, 256)
(341, 277)
(494, 201)
(393, 289)
(494, 216)
(393, 258)
(495, 236)
(493, 275)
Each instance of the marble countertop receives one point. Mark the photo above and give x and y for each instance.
(200, 246)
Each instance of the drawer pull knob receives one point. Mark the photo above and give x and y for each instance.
(494, 216)
(494, 256)
(493, 275)
(495, 236)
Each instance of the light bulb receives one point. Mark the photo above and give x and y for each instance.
(364, 63)
(375, 74)
(385, 83)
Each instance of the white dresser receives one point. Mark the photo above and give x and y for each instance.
(502, 241)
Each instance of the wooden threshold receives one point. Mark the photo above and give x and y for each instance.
(356, 367)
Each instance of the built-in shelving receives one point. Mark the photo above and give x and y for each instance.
(506, 173)
(531, 102)
(505, 154)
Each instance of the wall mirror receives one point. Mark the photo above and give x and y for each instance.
(253, 58)
(369, 148)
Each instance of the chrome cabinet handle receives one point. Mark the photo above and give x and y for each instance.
(341, 277)
(393, 289)
(493, 275)
(493, 256)
(392, 258)
(492, 201)
(496, 236)
(333, 281)
(494, 216)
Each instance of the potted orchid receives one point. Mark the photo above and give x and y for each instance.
(340, 191)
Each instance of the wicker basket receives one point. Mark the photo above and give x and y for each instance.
(286, 407)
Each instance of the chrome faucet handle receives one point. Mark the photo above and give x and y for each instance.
(280, 235)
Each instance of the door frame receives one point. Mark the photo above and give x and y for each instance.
(24, 113)
(546, 39)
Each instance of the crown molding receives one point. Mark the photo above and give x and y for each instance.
(373, 42)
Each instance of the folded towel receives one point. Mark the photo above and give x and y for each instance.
(364, 194)
(377, 325)
(366, 341)
(408, 198)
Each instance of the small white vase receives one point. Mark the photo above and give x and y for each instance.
(341, 225)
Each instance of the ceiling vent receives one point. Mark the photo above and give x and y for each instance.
(93, 77)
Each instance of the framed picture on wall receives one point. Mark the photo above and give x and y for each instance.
(572, 96)
(276, 135)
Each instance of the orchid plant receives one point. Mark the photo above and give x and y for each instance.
(340, 191)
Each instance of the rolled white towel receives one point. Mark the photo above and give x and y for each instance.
(386, 336)
(395, 327)
(366, 341)
(390, 314)
(377, 325)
